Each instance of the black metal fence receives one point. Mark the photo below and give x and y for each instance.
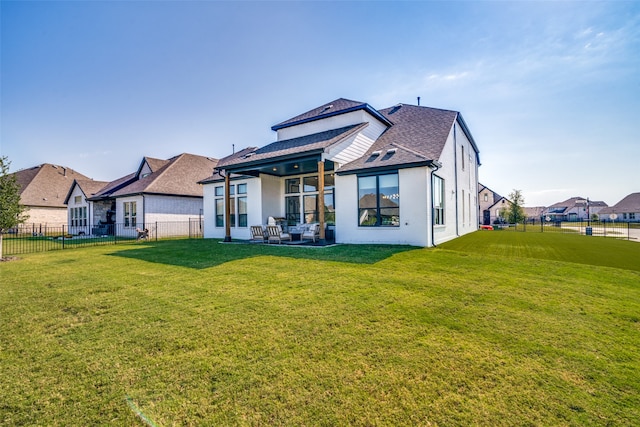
(30, 238)
(612, 229)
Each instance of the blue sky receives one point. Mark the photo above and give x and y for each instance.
(549, 90)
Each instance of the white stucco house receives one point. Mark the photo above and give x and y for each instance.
(400, 175)
(161, 195)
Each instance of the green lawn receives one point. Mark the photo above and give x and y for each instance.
(484, 330)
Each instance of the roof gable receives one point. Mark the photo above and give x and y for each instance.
(177, 176)
(88, 187)
(333, 108)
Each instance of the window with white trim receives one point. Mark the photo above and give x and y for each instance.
(238, 210)
(129, 210)
(438, 200)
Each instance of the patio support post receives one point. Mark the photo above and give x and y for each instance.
(321, 237)
(227, 208)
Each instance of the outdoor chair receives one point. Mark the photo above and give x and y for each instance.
(257, 233)
(311, 231)
(276, 234)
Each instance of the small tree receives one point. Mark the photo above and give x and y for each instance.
(516, 212)
(11, 211)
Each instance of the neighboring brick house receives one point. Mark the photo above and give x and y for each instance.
(574, 209)
(160, 191)
(626, 210)
(401, 175)
(491, 204)
(43, 189)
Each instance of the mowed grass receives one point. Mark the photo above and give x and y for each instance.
(590, 250)
(202, 333)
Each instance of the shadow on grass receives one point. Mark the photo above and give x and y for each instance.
(205, 253)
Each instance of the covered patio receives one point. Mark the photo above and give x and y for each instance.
(297, 193)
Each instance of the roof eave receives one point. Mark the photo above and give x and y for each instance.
(384, 168)
(265, 162)
(365, 107)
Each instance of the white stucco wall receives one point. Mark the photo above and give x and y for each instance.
(414, 211)
(333, 122)
(254, 211)
(461, 189)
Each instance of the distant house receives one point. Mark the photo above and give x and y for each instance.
(534, 213)
(574, 209)
(627, 209)
(43, 189)
(491, 205)
(79, 209)
(401, 175)
(160, 191)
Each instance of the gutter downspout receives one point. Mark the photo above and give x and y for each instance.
(433, 228)
(455, 174)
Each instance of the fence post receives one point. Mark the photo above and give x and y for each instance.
(156, 231)
(63, 236)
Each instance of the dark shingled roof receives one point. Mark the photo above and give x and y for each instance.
(178, 176)
(415, 136)
(46, 185)
(418, 134)
(110, 188)
(287, 147)
(217, 176)
(339, 106)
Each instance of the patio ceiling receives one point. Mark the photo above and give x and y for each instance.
(283, 167)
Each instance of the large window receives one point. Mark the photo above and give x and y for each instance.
(301, 200)
(129, 214)
(237, 206)
(79, 216)
(438, 200)
(378, 201)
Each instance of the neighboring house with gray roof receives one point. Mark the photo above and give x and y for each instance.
(401, 175)
(43, 189)
(160, 191)
(626, 210)
(574, 209)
